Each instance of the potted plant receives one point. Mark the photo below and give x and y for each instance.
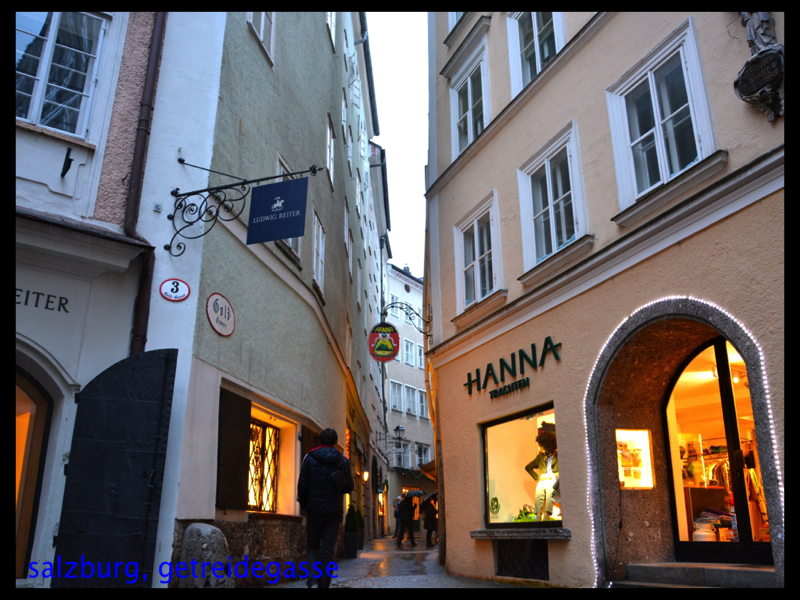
(351, 533)
(360, 529)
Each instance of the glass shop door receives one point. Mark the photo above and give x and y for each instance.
(720, 514)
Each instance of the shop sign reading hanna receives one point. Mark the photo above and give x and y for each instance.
(510, 367)
(220, 314)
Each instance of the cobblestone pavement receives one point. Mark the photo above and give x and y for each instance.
(381, 565)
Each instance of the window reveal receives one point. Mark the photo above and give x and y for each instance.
(262, 484)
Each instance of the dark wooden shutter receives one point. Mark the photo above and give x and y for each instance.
(233, 451)
(310, 440)
(115, 471)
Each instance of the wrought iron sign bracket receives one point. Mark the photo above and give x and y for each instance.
(424, 329)
(229, 204)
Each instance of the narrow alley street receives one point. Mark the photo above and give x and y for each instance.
(381, 565)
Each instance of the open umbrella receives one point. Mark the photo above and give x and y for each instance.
(433, 496)
(414, 493)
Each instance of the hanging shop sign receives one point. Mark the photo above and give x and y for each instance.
(220, 314)
(384, 342)
(174, 290)
(510, 367)
(278, 211)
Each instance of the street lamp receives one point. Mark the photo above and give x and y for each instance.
(399, 432)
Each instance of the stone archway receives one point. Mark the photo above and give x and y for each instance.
(626, 390)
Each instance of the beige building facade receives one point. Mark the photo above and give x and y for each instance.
(605, 263)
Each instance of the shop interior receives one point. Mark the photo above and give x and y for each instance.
(701, 455)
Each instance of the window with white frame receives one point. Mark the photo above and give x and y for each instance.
(350, 149)
(660, 116)
(344, 116)
(420, 356)
(477, 239)
(330, 148)
(411, 399)
(551, 197)
(319, 253)
(396, 395)
(534, 38)
(358, 283)
(409, 317)
(395, 310)
(262, 24)
(469, 115)
(408, 352)
(359, 194)
(292, 243)
(423, 454)
(348, 242)
(453, 18)
(423, 404)
(467, 71)
(402, 454)
(57, 65)
(330, 18)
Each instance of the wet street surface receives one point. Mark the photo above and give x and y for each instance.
(381, 565)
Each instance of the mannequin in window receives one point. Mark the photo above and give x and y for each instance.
(544, 470)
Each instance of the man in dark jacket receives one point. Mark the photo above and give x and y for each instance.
(322, 501)
(406, 521)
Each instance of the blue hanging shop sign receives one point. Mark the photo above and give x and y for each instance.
(278, 211)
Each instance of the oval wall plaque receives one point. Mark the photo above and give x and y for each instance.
(174, 290)
(220, 314)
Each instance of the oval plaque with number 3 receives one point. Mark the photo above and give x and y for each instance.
(174, 290)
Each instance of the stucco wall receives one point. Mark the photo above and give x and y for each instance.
(731, 264)
(117, 161)
(740, 129)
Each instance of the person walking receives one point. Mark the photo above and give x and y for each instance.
(406, 521)
(397, 517)
(324, 477)
(431, 521)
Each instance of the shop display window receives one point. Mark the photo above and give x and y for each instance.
(634, 459)
(522, 470)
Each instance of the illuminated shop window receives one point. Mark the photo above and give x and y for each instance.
(262, 484)
(634, 459)
(522, 470)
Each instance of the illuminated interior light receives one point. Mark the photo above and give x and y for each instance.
(767, 398)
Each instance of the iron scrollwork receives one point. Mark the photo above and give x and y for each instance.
(420, 323)
(224, 203)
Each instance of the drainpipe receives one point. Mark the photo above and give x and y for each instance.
(141, 309)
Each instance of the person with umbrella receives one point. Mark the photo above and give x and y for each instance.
(429, 512)
(407, 518)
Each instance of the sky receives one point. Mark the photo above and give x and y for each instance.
(400, 70)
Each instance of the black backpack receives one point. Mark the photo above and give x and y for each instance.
(341, 478)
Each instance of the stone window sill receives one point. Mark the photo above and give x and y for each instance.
(481, 309)
(545, 533)
(548, 267)
(64, 137)
(654, 200)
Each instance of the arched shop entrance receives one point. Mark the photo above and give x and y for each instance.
(679, 429)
